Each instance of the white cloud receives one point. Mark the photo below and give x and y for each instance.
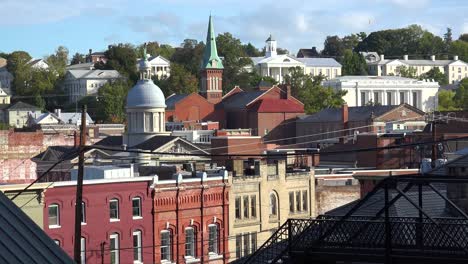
(464, 28)
(357, 20)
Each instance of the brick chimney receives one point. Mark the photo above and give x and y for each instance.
(286, 91)
(344, 119)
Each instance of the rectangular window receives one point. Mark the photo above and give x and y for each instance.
(83, 213)
(253, 241)
(298, 201)
(213, 239)
(238, 246)
(114, 209)
(166, 245)
(238, 207)
(402, 97)
(291, 202)
(304, 201)
(189, 242)
(114, 249)
(136, 207)
(246, 206)
(363, 98)
(246, 244)
(83, 250)
(149, 122)
(54, 215)
(389, 98)
(137, 250)
(253, 206)
(415, 99)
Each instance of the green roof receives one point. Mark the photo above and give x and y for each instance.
(211, 59)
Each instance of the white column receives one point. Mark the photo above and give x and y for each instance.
(268, 71)
(410, 97)
(281, 74)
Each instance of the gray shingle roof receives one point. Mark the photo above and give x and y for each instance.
(173, 99)
(95, 74)
(355, 113)
(154, 142)
(319, 62)
(433, 204)
(22, 241)
(239, 100)
(23, 106)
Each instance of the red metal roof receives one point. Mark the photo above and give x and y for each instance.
(268, 105)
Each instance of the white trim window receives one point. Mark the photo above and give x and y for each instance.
(136, 207)
(83, 250)
(190, 242)
(114, 210)
(114, 249)
(137, 247)
(273, 205)
(54, 215)
(166, 246)
(213, 238)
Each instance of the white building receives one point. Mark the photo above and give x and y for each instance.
(387, 90)
(58, 117)
(146, 109)
(277, 66)
(160, 66)
(38, 64)
(4, 97)
(455, 69)
(81, 83)
(195, 136)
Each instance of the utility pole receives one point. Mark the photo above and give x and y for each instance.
(79, 188)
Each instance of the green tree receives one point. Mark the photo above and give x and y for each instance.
(181, 81)
(151, 49)
(436, 75)
(251, 51)
(235, 59)
(408, 72)
(255, 78)
(463, 37)
(459, 48)
(447, 100)
(448, 38)
(112, 96)
(122, 58)
(17, 60)
(58, 62)
(461, 94)
(333, 47)
(353, 63)
(78, 58)
(190, 55)
(309, 90)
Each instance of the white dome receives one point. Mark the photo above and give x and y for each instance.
(145, 94)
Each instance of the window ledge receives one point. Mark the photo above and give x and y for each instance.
(83, 223)
(114, 220)
(167, 262)
(212, 255)
(54, 226)
(137, 217)
(191, 260)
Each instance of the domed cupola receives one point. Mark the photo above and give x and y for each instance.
(145, 107)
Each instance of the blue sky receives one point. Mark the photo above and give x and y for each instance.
(39, 26)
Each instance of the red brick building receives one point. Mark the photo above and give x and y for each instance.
(191, 219)
(117, 221)
(188, 107)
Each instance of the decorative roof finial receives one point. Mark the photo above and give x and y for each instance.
(144, 51)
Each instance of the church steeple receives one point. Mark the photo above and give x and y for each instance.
(211, 83)
(211, 59)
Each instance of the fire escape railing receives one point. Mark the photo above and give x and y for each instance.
(381, 234)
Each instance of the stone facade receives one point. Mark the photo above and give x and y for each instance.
(260, 201)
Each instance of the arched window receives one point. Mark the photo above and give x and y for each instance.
(273, 204)
(166, 245)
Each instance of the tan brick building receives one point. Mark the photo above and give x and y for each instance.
(264, 194)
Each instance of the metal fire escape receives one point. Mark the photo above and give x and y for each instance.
(379, 236)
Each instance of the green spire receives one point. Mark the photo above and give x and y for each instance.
(211, 59)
